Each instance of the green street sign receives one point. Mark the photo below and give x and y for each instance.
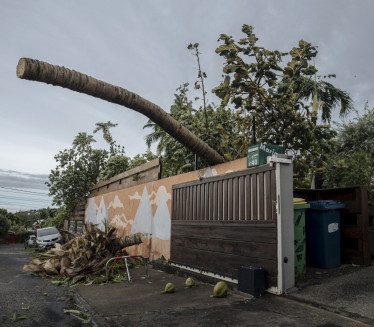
(257, 154)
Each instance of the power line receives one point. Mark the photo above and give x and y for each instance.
(23, 191)
(19, 199)
(25, 206)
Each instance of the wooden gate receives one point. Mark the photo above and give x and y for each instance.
(224, 222)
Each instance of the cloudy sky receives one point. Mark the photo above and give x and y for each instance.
(142, 46)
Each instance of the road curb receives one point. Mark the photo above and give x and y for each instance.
(96, 321)
(348, 315)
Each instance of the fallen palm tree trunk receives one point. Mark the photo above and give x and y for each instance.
(40, 71)
(84, 254)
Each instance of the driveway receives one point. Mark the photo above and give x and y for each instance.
(140, 304)
(23, 294)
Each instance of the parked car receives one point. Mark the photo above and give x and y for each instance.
(47, 237)
(30, 242)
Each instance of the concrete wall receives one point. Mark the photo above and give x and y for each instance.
(146, 208)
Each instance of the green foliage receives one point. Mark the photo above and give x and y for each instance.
(348, 170)
(115, 165)
(115, 149)
(353, 162)
(358, 134)
(22, 236)
(215, 126)
(9, 215)
(140, 159)
(256, 83)
(219, 132)
(82, 166)
(77, 170)
(4, 225)
(22, 222)
(121, 163)
(201, 76)
(56, 219)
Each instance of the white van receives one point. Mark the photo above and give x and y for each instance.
(47, 237)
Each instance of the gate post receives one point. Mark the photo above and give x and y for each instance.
(285, 221)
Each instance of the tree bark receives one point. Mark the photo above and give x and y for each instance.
(36, 70)
(130, 240)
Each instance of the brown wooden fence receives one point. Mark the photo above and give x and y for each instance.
(354, 220)
(223, 222)
(75, 223)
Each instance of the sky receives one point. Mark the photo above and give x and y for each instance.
(142, 46)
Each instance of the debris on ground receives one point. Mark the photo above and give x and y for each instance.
(17, 317)
(83, 255)
(85, 317)
(220, 289)
(169, 288)
(190, 282)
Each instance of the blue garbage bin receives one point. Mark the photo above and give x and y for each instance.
(322, 227)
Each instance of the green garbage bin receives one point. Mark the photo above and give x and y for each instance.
(323, 233)
(299, 237)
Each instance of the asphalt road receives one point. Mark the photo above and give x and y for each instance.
(26, 295)
(344, 300)
(140, 304)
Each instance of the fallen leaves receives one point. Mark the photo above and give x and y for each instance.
(83, 255)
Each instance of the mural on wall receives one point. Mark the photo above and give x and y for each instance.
(116, 203)
(91, 211)
(149, 214)
(161, 224)
(102, 215)
(146, 208)
(143, 217)
(98, 217)
(210, 172)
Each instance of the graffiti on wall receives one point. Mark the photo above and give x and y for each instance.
(146, 209)
(137, 212)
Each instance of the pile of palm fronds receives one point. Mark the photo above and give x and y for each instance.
(85, 254)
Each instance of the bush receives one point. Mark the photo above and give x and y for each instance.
(4, 226)
(342, 170)
(23, 236)
(56, 221)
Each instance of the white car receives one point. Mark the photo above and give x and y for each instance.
(30, 242)
(47, 237)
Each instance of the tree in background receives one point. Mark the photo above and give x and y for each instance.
(78, 168)
(4, 225)
(140, 159)
(114, 166)
(115, 149)
(82, 166)
(55, 217)
(285, 100)
(215, 126)
(353, 162)
(218, 131)
(201, 76)
(19, 221)
(22, 222)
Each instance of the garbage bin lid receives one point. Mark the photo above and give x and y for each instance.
(326, 205)
(298, 201)
(300, 206)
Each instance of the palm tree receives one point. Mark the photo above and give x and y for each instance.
(325, 97)
(36, 70)
(105, 128)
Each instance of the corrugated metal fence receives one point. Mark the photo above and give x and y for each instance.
(241, 196)
(223, 222)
